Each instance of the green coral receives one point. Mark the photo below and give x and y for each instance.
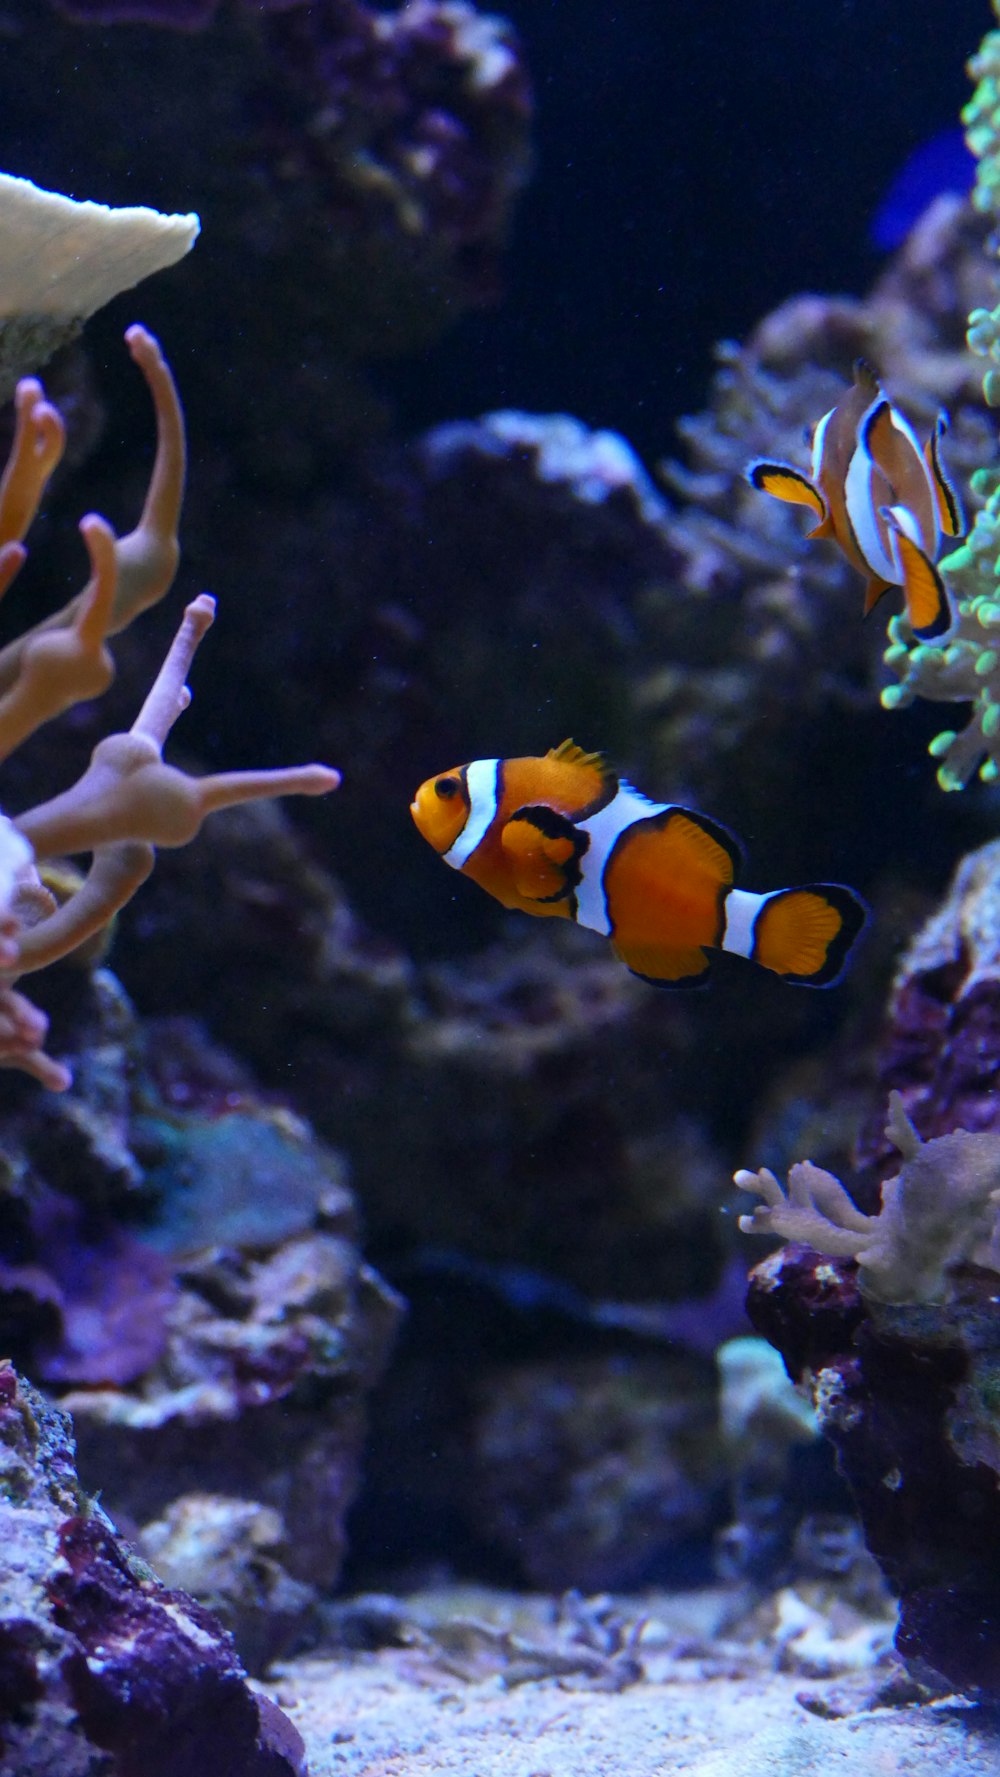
(967, 668)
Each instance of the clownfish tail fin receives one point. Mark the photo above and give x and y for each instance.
(927, 604)
(805, 934)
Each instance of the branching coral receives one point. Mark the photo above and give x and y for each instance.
(967, 670)
(128, 801)
(942, 1210)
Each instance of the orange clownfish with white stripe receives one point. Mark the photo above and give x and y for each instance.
(562, 837)
(887, 502)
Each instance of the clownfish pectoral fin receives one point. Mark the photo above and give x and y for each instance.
(948, 505)
(874, 590)
(662, 967)
(786, 483)
(927, 605)
(805, 934)
(543, 850)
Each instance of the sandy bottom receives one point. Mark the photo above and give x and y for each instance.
(489, 1687)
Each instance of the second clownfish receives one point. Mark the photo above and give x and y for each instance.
(887, 502)
(561, 837)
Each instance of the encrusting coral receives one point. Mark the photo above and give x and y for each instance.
(128, 801)
(942, 1210)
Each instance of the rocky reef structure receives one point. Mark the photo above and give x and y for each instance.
(891, 1317)
(179, 1263)
(102, 1667)
(189, 1279)
(361, 204)
(377, 156)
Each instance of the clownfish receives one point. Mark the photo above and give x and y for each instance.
(562, 837)
(884, 500)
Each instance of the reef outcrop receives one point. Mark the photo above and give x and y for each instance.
(102, 1667)
(893, 1322)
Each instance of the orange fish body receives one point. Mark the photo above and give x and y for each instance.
(562, 837)
(883, 499)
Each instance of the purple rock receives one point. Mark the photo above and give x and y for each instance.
(96, 1656)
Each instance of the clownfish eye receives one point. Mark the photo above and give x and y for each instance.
(447, 787)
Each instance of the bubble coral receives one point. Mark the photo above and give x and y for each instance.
(128, 801)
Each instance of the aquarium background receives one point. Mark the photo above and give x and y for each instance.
(386, 1239)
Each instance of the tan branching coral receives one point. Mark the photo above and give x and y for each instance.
(941, 1210)
(128, 801)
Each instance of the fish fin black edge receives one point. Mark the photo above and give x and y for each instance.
(553, 825)
(686, 983)
(723, 836)
(855, 915)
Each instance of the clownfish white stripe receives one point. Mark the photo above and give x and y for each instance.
(861, 511)
(483, 785)
(903, 517)
(741, 912)
(603, 830)
(901, 424)
(819, 438)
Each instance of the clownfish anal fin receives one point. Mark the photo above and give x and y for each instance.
(875, 590)
(662, 967)
(821, 531)
(805, 934)
(927, 606)
(543, 850)
(788, 484)
(948, 505)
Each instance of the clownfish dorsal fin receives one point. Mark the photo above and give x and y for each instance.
(948, 506)
(866, 378)
(568, 753)
(543, 850)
